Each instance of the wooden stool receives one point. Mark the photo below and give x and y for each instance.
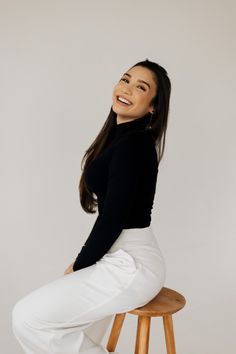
(164, 304)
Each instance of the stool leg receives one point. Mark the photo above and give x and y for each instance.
(142, 336)
(169, 334)
(115, 331)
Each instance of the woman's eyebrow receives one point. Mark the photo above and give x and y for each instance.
(138, 80)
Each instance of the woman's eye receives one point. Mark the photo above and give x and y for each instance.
(124, 79)
(142, 88)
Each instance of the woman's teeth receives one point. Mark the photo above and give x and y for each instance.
(123, 100)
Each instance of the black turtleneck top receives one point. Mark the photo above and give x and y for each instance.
(123, 177)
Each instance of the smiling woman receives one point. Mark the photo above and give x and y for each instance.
(133, 95)
(120, 266)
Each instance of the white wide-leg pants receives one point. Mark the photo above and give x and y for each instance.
(71, 314)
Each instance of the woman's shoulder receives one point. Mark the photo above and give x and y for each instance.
(137, 140)
(138, 144)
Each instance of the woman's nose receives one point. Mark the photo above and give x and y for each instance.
(127, 90)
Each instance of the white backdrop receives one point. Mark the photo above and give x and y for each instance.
(59, 61)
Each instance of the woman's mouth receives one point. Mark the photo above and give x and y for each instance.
(123, 101)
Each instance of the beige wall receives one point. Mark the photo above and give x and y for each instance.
(59, 61)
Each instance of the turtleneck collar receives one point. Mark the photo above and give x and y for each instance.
(130, 126)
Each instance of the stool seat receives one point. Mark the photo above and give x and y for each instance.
(164, 304)
(167, 301)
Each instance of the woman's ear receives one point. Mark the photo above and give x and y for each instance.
(152, 109)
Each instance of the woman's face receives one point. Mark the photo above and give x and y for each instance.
(138, 87)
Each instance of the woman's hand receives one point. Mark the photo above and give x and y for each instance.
(69, 269)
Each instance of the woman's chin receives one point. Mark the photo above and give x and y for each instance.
(121, 110)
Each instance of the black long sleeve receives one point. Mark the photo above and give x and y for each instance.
(124, 179)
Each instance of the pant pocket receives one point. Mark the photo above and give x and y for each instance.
(121, 259)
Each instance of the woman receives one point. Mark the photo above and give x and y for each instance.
(120, 267)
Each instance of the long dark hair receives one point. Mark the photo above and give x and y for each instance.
(158, 127)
